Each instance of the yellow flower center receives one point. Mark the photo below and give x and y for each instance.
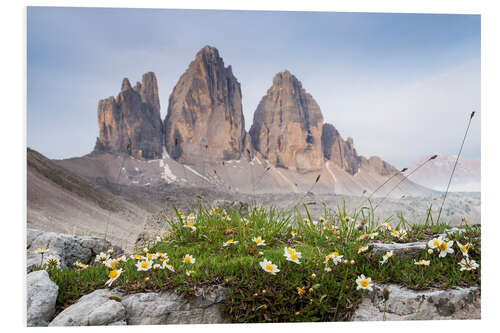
(269, 267)
(291, 251)
(113, 274)
(435, 242)
(258, 241)
(113, 264)
(187, 259)
(463, 248)
(335, 254)
(293, 256)
(190, 224)
(144, 264)
(443, 246)
(137, 256)
(150, 256)
(364, 283)
(229, 241)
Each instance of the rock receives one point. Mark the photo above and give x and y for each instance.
(131, 122)
(205, 119)
(93, 309)
(233, 205)
(411, 250)
(172, 308)
(150, 308)
(288, 125)
(41, 298)
(67, 248)
(406, 304)
(376, 164)
(344, 155)
(340, 152)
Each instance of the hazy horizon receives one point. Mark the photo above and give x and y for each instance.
(402, 85)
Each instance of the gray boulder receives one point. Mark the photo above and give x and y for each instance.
(173, 308)
(96, 308)
(406, 304)
(67, 248)
(41, 298)
(411, 250)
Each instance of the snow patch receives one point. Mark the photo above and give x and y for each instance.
(196, 173)
(330, 171)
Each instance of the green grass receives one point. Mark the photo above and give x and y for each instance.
(257, 296)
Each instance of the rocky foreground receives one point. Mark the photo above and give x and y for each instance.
(113, 307)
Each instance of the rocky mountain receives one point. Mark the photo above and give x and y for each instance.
(340, 152)
(436, 174)
(287, 126)
(131, 122)
(205, 119)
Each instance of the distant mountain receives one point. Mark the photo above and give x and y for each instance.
(288, 148)
(436, 174)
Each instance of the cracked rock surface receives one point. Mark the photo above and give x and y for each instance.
(432, 304)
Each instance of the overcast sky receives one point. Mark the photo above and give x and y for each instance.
(401, 85)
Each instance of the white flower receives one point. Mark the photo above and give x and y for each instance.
(102, 258)
(328, 269)
(292, 255)
(386, 257)
(189, 272)
(123, 258)
(110, 263)
(269, 267)
(157, 267)
(188, 259)
(144, 265)
(136, 257)
(362, 249)
(434, 243)
(190, 224)
(364, 283)
(373, 235)
(151, 256)
(53, 261)
(111, 251)
(468, 264)
(259, 241)
(79, 265)
(229, 242)
(42, 250)
(386, 226)
(422, 262)
(464, 249)
(113, 275)
(167, 266)
(445, 248)
(334, 257)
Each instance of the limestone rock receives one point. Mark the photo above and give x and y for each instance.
(41, 298)
(339, 151)
(150, 308)
(287, 126)
(93, 309)
(376, 164)
(406, 304)
(205, 119)
(131, 122)
(67, 248)
(411, 250)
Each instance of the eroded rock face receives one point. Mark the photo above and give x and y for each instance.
(287, 126)
(131, 122)
(205, 119)
(406, 304)
(41, 298)
(339, 151)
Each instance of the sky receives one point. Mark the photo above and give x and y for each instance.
(401, 85)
